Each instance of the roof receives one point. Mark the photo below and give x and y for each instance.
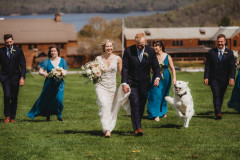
(187, 50)
(37, 31)
(203, 33)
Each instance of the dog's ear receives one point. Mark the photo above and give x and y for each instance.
(187, 83)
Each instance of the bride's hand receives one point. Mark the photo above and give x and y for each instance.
(125, 89)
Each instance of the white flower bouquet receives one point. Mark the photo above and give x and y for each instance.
(57, 73)
(93, 71)
(236, 56)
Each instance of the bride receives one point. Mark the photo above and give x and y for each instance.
(106, 88)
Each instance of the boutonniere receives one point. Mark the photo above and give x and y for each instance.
(145, 54)
(224, 53)
(13, 51)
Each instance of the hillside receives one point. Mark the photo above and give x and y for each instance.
(87, 6)
(202, 13)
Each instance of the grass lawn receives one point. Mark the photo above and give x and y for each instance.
(80, 135)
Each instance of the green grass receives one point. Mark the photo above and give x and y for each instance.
(80, 136)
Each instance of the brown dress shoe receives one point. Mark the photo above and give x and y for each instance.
(140, 132)
(135, 132)
(219, 116)
(6, 120)
(12, 121)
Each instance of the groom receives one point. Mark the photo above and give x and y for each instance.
(138, 60)
(12, 74)
(219, 72)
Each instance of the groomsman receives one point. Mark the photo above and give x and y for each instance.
(12, 74)
(219, 72)
(138, 60)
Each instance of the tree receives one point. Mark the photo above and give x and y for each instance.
(225, 21)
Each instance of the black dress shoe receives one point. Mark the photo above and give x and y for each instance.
(140, 132)
(60, 119)
(48, 118)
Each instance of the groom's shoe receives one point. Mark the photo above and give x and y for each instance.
(12, 120)
(140, 132)
(135, 132)
(218, 116)
(6, 120)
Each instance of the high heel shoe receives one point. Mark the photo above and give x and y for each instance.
(107, 134)
(60, 119)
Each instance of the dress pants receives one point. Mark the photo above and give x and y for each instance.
(10, 98)
(137, 103)
(218, 91)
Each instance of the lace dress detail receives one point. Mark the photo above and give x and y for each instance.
(105, 91)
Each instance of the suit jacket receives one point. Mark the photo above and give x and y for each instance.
(15, 67)
(218, 70)
(136, 73)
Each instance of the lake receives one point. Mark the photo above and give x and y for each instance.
(81, 19)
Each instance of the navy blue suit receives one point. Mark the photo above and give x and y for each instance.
(10, 73)
(218, 74)
(137, 75)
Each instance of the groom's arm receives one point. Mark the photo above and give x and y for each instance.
(125, 67)
(125, 64)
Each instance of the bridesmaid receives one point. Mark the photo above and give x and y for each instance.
(234, 101)
(157, 105)
(50, 102)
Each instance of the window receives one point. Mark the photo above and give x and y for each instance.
(30, 46)
(35, 46)
(235, 43)
(177, 43)
(173, 43)
(62, 46)
(181, 43)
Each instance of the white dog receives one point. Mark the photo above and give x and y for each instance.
(182, 101)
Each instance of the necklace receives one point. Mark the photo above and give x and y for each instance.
(107, 59)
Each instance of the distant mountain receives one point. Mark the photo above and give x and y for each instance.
(202, 13)
(87, 6)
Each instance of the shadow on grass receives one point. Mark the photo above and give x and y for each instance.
(210, 114)
(169, 126)
(94, 133)
(30, 120)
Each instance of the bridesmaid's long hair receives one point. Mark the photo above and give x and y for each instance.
(160, 44)
(49, 50)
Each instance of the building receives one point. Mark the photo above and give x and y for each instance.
(36, 35)
(187, 44)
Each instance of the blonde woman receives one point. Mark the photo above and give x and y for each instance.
(106, 88)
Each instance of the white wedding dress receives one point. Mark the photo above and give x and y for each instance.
(108, 98)
(105, 91)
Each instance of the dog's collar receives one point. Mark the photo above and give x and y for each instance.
(180, 95)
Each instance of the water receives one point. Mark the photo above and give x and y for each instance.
(81, 19)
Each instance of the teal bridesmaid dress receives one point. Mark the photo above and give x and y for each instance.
(157, 105)
(234, 101)
(50, 102)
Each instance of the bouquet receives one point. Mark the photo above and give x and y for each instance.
(161, 64)
(57, 73)
(236, 56)
(93, 71)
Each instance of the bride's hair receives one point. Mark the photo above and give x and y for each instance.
(105, 42)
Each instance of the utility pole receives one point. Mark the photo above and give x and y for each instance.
(122, 36)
